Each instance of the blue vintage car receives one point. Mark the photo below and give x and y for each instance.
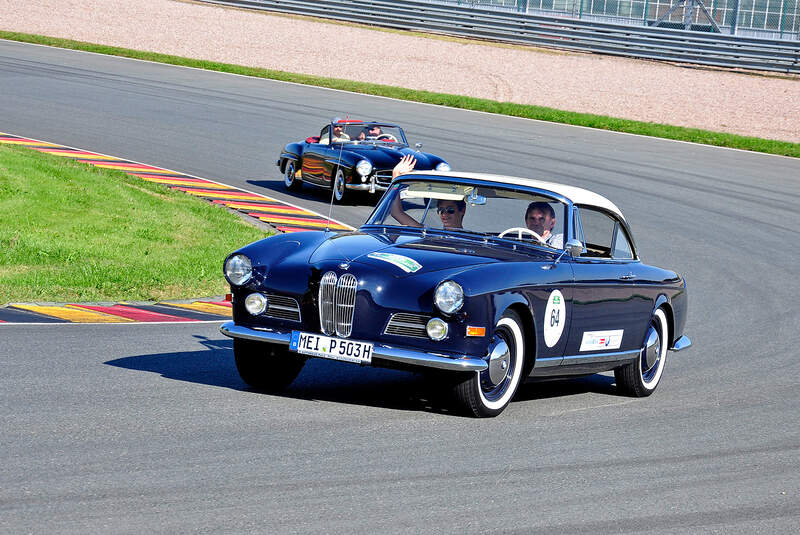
(350, 155)
(485, 279)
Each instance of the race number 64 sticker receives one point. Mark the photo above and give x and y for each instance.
(555, 315)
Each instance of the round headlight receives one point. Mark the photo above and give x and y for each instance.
(238, 269)
(255, 304)
(448, 297)
(364, 167)
(444, 166)
(437, 329)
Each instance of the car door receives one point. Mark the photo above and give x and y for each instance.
(608, 315)
(314, 166)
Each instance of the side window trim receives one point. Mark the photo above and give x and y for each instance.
(618, 227)
(576, 217)
(614, 237)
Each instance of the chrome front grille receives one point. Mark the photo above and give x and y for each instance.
(282, 307)
(327, 301)
(337, 303)
(384, 178)
(345, 304)
(403, 324)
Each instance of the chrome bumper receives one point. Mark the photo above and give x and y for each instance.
(365, 186)
(394, 354)
(681, 343)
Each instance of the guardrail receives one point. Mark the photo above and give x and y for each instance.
(681, 46)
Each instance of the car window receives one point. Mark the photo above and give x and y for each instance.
(603, 236)
(621, 247)
(324, 136)
(463, 207)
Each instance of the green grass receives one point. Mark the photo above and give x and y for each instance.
(468, 103)
(73, 232)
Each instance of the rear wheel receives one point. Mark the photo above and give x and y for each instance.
(489, 392)
(290, 179)
(266, 367)
(640, 378)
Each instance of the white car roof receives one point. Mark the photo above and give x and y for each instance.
(573, 193)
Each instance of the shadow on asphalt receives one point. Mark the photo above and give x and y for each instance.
(339, 382)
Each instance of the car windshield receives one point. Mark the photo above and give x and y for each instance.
(366, 133)
(487, 210)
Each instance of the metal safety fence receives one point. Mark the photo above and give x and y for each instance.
(771, 19)
(500, 23)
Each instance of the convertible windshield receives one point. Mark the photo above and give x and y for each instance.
(494, 211)
(363, 133)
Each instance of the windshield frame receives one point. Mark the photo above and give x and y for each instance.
(402, 140)
(383, 206)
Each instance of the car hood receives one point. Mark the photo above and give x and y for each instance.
(401, 255)
(386, 157)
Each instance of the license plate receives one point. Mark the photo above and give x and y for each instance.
(328, 347)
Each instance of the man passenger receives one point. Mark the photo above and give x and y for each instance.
(541, 218)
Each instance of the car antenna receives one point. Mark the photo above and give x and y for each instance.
(333, 179)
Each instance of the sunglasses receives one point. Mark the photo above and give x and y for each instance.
(449, 210)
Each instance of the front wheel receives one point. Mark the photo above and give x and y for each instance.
(290, 179)
(489, 392)
(266, 367)
(640, 379)
(339, 186)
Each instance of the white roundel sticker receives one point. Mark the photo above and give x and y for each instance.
(554, 318)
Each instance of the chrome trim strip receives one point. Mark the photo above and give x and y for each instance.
(547, 362)
(365, 187)
(281, 307)
(682, 343)
(601, 357)
(395, 354)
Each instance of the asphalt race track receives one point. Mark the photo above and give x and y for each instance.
(128, 428)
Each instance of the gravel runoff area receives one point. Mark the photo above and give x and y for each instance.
(764, 106)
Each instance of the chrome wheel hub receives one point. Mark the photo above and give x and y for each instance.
(288, 175)
(499, 360)
(652, 350)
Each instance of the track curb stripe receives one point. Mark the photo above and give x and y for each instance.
(71, 314)
(282, 216)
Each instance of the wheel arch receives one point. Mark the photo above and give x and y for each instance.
(663, 302)
(523, 309)
(285, 159)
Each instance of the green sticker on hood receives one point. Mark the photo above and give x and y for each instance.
(409, 265)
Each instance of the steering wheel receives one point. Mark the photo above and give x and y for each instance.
(520, 231)
(386, 137)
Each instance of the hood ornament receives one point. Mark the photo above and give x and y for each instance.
(344, 265)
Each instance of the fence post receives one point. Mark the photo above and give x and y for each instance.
(735, 16)
(580, 13)
(644, 15)
(783, 15)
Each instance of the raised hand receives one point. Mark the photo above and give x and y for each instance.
(405, 165)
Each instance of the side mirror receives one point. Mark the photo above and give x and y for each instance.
(417, 146)
(574, 247)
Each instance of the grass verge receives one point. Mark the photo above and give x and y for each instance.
(73, 232)
(695, 135)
